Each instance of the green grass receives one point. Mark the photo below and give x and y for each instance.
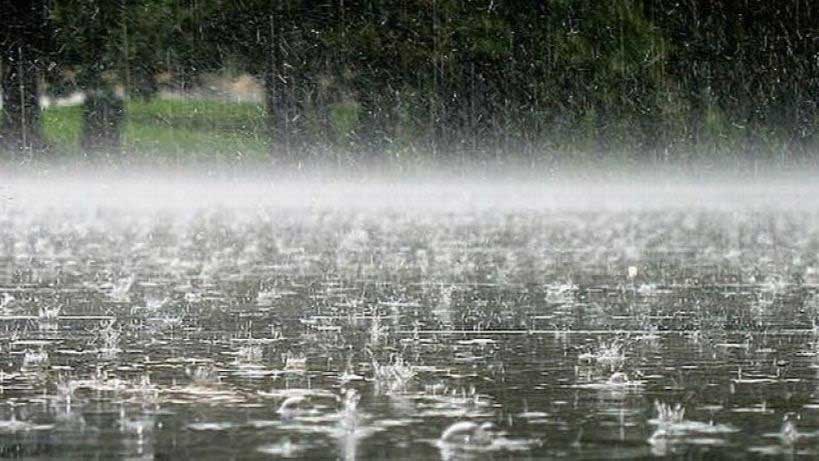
(172, 130)
(199, 115)
(191, 131)
(62, 127)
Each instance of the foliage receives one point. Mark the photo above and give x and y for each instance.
(467, 78)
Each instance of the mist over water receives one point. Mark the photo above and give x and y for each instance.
(175, 316)
(513, 191)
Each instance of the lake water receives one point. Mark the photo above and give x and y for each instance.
(179, 328)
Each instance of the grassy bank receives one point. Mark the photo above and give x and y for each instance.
(190, 132)
(171, 131)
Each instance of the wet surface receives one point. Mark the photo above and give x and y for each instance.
(267, 333)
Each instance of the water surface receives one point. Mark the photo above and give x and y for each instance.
(256, 326)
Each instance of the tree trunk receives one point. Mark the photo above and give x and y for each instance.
(23, 39)
(103, 115)
(280, 90)
(104, 111)
(21, 111)
(144, 84)
(274, 92)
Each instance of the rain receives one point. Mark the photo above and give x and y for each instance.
(408, 230)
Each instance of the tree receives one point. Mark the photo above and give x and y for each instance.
(88, 33)
(24, 43)
(275, 41)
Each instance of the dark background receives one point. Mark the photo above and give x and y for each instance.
(438, 80)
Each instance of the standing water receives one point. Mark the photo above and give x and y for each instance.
(218, 321)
